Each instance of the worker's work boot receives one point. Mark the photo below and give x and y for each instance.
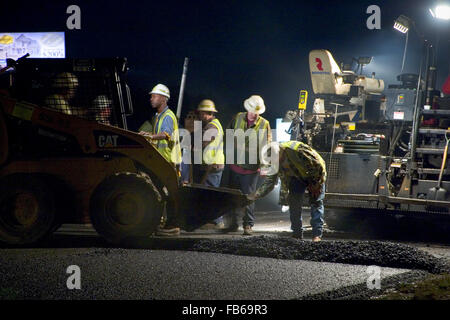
(248, 231)
(316, 239)
(297, 235)
(219, 226)
(168, 231)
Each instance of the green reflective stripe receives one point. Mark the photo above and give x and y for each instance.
(240, 121)
(162, 143)
(294, 145)
(161, 120)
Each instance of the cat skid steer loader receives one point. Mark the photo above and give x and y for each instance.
(66, 156)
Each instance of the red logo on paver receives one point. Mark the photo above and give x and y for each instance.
(319, 64)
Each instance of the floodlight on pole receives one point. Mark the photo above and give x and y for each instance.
(441, 11)
(403, 24)
(362, 61)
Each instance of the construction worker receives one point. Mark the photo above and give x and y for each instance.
(101, 109)
(299, 168)
(163, 131)
(209, 173)
(64, 86)
(244, 176)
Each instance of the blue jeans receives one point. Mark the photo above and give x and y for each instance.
(185, 172)
(213, 179)
(247, 184)
(297, 190)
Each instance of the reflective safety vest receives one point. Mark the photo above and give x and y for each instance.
(307, 161)
(213, 153)
(58, 102)
(260, 124)
(170, 149)
(241, 122)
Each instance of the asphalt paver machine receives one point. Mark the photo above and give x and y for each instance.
(392, 161)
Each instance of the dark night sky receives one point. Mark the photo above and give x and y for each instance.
(236, 48)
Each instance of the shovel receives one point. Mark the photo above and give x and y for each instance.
(438, 193)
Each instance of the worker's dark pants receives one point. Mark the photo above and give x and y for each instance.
(212, 180)
(297, 190)
(173, 218)
(247, 184)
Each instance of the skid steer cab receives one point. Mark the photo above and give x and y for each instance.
(67, 156)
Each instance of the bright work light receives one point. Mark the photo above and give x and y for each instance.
(402, 24)
(364, 60)
(442, 11)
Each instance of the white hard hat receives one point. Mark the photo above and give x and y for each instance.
(102, 101)
(207, 105)
(161, 89)
(65, 80)
(255, 104)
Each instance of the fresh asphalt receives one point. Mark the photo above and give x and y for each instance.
(166, 270)
(169, 274)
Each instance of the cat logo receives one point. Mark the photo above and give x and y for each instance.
(107, 141)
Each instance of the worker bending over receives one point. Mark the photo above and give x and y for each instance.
(300, 168)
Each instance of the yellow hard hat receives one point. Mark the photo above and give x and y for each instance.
(65, 80)
(207, 105)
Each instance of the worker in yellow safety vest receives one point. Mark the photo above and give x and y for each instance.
(245, 172)
(163, 132)
(209, 172)
(163, 129)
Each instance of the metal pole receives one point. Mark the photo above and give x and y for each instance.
(404, 52)
(183, 82)
(418, 104)
(332, 139)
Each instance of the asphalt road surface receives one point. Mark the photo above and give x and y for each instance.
(161, 274)
(105, 272)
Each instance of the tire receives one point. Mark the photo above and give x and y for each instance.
(124, 207)
(27, 209)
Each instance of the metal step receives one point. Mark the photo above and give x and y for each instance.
(432, 171)
(432, 131)
(431, 150)
(437, 112)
